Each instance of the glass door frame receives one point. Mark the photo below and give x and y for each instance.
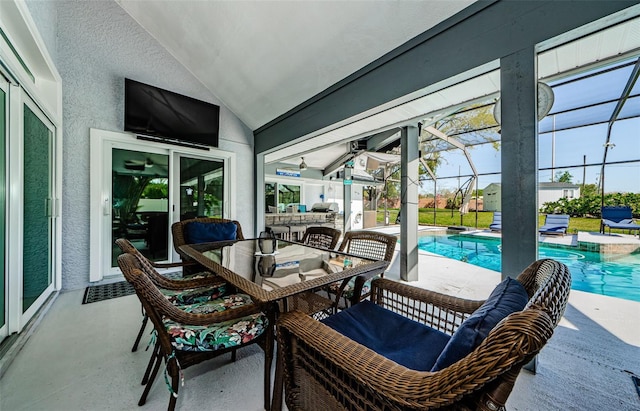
(18, 99)
(228, 178)
(4, 310)
(101, 144)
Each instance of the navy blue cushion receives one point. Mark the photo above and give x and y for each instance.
(391, 335)
(509, 296)
(197, 232)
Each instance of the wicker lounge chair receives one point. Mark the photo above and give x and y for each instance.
(555, 224)
(180, 236)
(620, 217)
(367, 244)
(496, 224)
(323, 369)
(192, 334)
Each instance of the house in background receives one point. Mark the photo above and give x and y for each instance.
(547, 192)
(554, 191)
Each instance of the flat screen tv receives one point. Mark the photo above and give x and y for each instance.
(153, 112)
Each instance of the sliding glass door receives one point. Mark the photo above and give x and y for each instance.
(201, 187)
(139, 188)
(3, 185)
(38, 206)
(140, 202)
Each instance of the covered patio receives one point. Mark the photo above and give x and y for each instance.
(320, 109)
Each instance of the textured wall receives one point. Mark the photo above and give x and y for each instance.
(98, 45)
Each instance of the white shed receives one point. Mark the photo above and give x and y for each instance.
(548, 192)
(492, 197)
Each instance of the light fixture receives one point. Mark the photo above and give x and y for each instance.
(303, 165)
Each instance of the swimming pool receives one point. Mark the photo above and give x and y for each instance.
(612, 275)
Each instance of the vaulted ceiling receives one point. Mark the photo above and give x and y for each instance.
(262, 58)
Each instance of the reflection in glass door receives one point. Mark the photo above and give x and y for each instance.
(38, 207)
(201, 188)
(140, 202)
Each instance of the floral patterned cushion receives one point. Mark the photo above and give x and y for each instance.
(219, 335)
(194, 295)
(218, 305)
(348, 290)
(197, 276)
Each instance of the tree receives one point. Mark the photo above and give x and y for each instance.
(563, 177)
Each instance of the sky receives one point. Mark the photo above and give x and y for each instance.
(570, 148)
(566, 148)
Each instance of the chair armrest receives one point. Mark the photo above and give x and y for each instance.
(439, 311)
(173, 265)
(320, 360)
(187, 284)
(176, 314)
(168, 310)
(150, 294)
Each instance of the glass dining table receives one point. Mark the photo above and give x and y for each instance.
(288, 270)
(287, 274)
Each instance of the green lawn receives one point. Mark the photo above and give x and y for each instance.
(444, 218)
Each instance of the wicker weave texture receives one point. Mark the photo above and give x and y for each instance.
(322, 237)
(158, 308)
(324, 367)
(369, 244)
(162, 281)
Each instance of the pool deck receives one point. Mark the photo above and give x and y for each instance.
(589, 361)
(604, 243)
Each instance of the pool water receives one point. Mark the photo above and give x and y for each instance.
(612, 275)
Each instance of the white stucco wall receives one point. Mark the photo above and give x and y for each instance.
(96, 45)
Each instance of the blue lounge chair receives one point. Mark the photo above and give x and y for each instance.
(555, 224)
(496, 224)
(618, 217)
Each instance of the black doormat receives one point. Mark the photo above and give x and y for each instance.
(102, 292)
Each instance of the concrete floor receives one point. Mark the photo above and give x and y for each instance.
(79, 357)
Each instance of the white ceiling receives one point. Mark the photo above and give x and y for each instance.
(262, 58)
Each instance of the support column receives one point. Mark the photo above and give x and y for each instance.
(347, 185)
(259, 193)
(519, 135)
(409, 204)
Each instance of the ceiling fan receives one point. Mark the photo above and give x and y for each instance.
(138, 165)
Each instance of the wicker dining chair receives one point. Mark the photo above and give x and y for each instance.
(189, 335)
(323, 237)
(206, 282)
(180, 237)
(310, 301)
(323, 369)
(366, 244)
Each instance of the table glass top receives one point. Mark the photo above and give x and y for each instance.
(289, 264)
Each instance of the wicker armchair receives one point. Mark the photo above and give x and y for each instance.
(178, 232)
(200, 280)
(323, 237)
(367, 244)
(325, 370)
(189, 335)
